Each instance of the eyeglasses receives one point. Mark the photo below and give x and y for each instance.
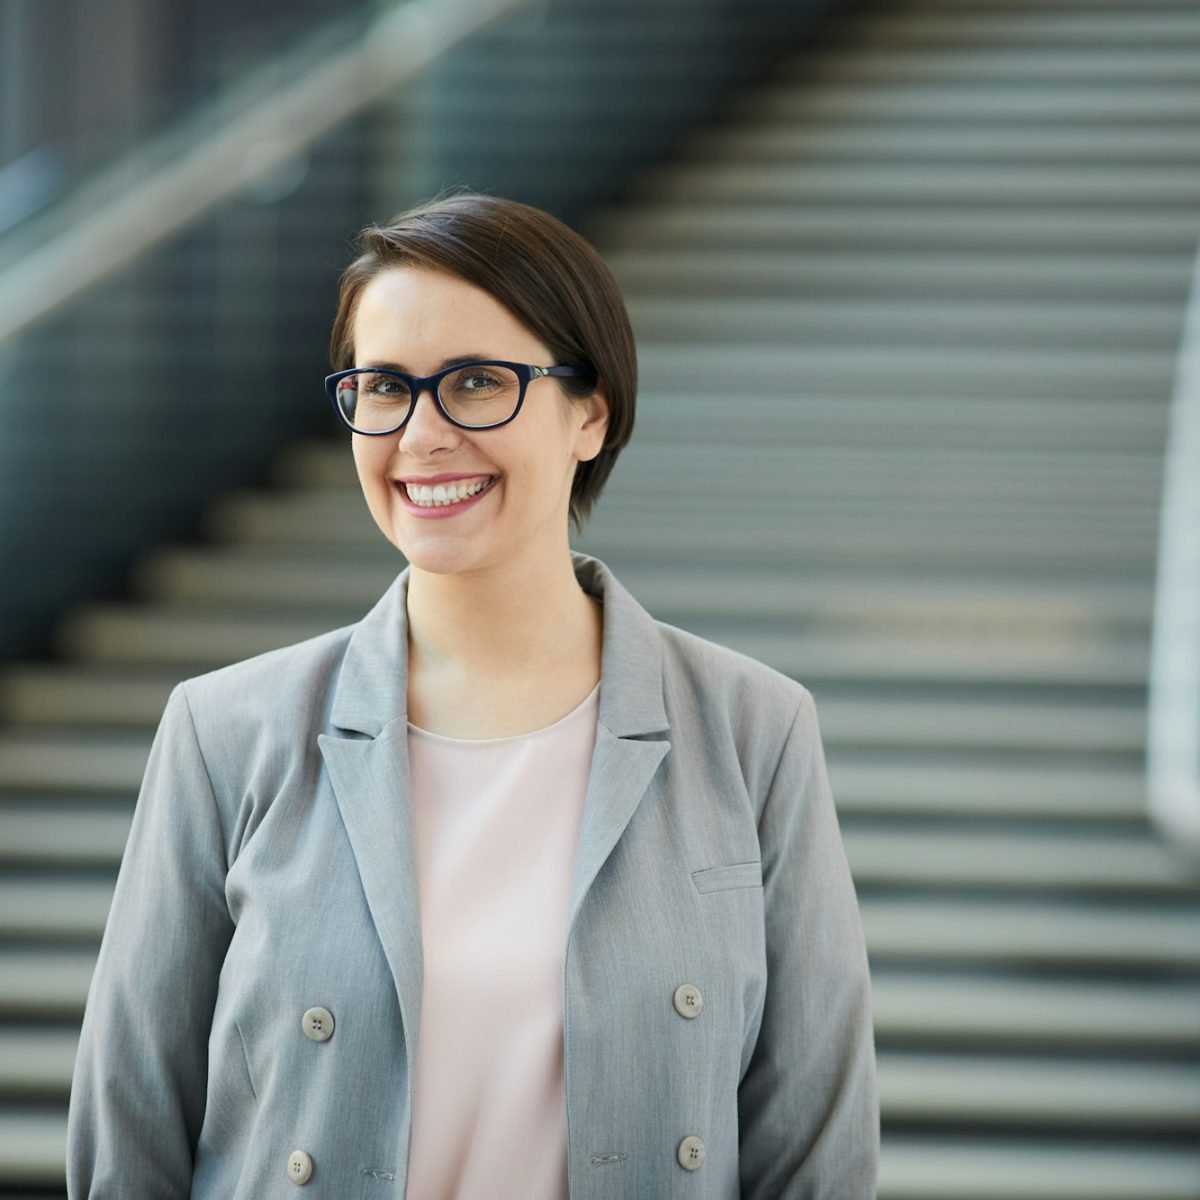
(476, 395)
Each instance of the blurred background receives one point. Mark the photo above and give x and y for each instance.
(913, 286)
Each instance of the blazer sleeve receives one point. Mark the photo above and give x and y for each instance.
(138, 1093)
(808, 1103)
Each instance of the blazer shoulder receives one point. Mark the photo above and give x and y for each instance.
(292, 683)
(733, 710)
(738, 675)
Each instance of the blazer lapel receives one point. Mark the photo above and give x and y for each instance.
(368, 762)
(631, 707)
(369, 773)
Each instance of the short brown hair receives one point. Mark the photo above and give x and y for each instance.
(548, 276)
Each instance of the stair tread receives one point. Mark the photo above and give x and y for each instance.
(977, 1088)
(704, 222)
(990, 1010)
(1064, 935)
(45, 982)
(926, 1168)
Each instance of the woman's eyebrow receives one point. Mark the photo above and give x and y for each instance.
(446, 362)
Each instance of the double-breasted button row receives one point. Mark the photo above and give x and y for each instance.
(688, 1001)
(317, 1024)
(300, 1167)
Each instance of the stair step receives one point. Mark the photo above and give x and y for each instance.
(191, 640)
(32, 1147)
(53, 910)
(36, 1060)
(75, 759)
(902, 784)
(228, 575)
(63, 836)
(755, 276)
(1078, 184)
(1054, 323)
(44, 983)
(1050, 482)
(1070, 62)
(946, 1168)
(910, 1007)
(984, 723)
(934, 101)
(1051, 862)
(899, 370)
(1125, 26)
(974, 1089)
(890, 140)
(745, 532)
(699, 225)
(1061, 936)
(65, 694)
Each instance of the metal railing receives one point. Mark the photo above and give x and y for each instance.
(1173, 719)
(164, 187)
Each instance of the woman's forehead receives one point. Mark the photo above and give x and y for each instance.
(432, 316)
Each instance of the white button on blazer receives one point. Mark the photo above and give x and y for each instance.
(710, 883)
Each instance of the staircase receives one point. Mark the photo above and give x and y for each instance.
(907, 320)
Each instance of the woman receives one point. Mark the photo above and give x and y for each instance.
(508, 889)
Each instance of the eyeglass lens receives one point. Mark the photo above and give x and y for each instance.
(477, 394)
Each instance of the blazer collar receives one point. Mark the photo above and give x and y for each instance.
(372, 686)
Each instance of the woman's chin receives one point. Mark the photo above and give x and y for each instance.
(436, 555)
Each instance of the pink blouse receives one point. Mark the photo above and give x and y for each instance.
(497, 824)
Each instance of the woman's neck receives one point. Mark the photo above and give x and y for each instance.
(511, 624)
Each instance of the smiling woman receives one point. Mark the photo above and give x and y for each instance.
(508, 890)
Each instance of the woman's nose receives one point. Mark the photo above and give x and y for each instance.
(426, 427)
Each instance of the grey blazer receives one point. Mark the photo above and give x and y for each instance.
(270, 870)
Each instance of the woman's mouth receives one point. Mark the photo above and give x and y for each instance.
(444, 499)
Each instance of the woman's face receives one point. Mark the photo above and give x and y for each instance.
(414, 320)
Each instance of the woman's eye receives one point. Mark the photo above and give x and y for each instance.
(478, 382)
(383, 385)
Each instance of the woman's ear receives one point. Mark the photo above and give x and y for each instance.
(590, 440)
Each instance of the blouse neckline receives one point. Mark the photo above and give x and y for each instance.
(585, 703)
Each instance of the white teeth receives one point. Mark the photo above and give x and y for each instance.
(442, 494)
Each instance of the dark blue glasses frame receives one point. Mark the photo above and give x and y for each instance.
(432, 383)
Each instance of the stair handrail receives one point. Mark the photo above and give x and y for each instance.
(158, 189)
(1173, 712)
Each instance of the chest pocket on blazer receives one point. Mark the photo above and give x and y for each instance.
(735, 875)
